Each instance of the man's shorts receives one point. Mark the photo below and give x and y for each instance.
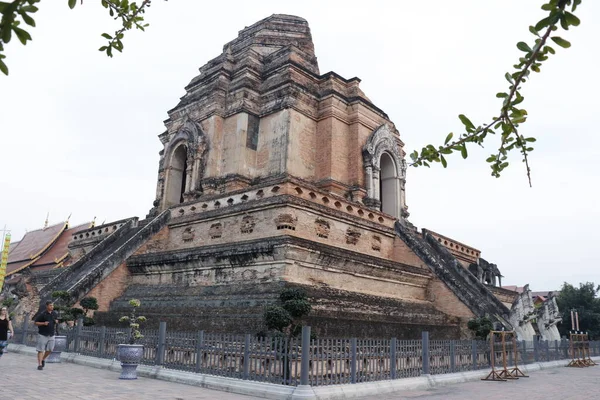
(3, 344)
(44, 343)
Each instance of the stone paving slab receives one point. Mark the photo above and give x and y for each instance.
(20, 379)
(91, 378)
(549, 384)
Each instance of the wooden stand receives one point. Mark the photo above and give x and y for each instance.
(587, 359)
(504, 374)
(577, 344)
(515, 371)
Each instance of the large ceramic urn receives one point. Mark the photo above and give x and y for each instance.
(60, 345)
(130, 356)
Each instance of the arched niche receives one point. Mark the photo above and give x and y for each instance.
(183, 165)
(389, 186)
(385, 172)
(176, 176)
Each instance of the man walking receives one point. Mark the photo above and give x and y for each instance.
(46, 323)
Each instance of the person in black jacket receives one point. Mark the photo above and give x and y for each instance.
(46, 323)
(5, 329)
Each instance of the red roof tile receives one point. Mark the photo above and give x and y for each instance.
(58, 249)
(33, 242)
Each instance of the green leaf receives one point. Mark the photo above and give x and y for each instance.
(532, 30)
(463, 151)
(28, 20)
(467, 123)
(444, 163)
(72, 4)
(543, 23)
(508, 77)
(523, 47)
(548, 7)
(23, 35)
(561, 42)
(448, 138)
(501, 95)
(3, 68)
(6, 35)
(106, 36)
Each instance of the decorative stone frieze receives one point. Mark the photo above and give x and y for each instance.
(352, 236)
(286, 221)
(188, 234)
(376, 243)
(215, 231)
(322, 228)
(248, 223)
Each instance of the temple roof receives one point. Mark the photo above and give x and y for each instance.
(34, 242)
(42, 249)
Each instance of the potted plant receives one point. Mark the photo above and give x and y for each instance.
(131, 354)
(88, 304)
(65, 314)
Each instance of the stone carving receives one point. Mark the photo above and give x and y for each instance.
(352, 236)
(322, 228)
(248, 223)
(383, 139)
(376, 243)
(522, 314)
(487, 273)
(286, 221)
(216, 230)
(548, 316)
(188, 234)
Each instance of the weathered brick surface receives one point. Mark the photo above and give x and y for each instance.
(111, 287)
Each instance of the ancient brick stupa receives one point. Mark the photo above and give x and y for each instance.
(274, 175)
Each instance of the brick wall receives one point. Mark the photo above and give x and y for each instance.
(444, 300)
(111, 287)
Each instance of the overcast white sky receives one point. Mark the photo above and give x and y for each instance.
(79, 131)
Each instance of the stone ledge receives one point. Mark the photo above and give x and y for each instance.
(273, 391)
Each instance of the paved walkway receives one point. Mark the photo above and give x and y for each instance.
(550, 384)
(20, 380)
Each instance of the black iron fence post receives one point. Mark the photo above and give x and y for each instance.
(425, 352)
(565, 347)
(452, 356)
(101, 341)
(78, 330)
(474, 353)
(556, 350)
(247, 355)
(25, 328)
(536, 355)
(199, 350)
(393, 358)
(353, 360)
(305, 362)
(162, 343)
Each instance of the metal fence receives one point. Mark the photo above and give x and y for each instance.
(294, 361)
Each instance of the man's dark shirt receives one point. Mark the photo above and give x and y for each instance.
(47, 330)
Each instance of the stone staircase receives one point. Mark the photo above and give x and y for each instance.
(474, 294)
(104, 258)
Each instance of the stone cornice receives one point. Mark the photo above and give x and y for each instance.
(266, 246)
